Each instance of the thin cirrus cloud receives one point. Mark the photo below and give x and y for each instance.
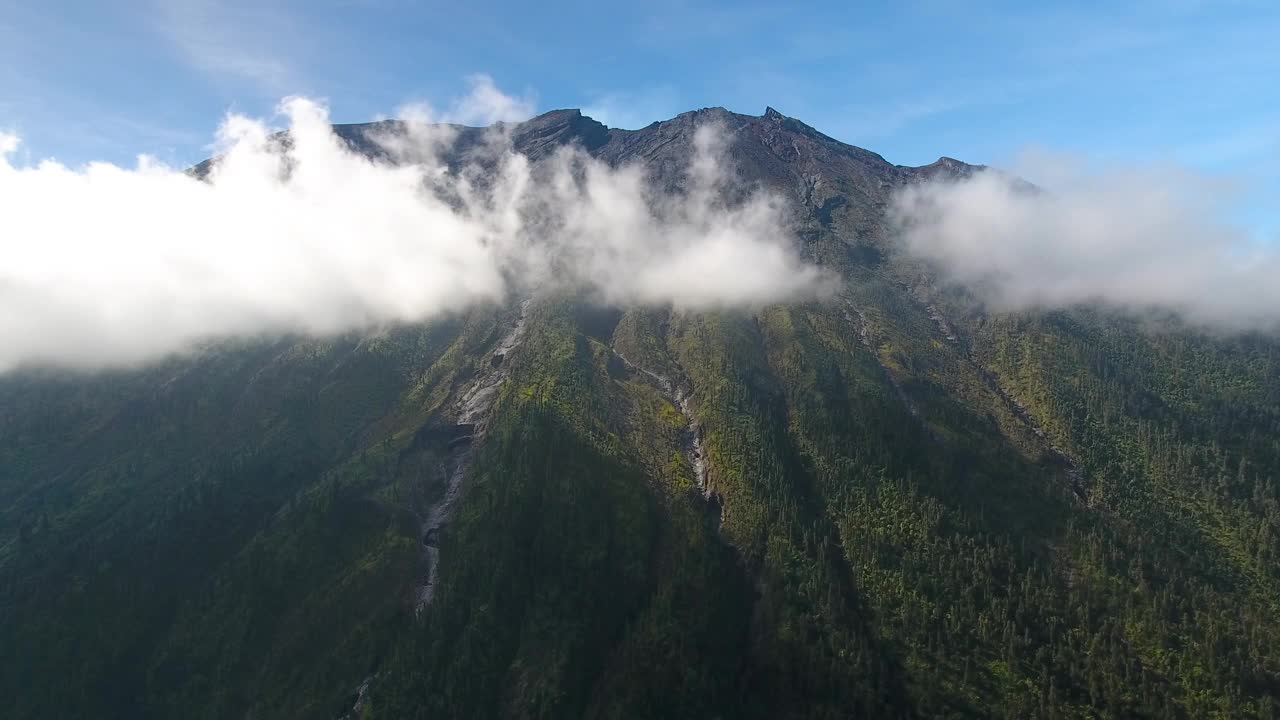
(1136, 239)
(107, 266)
(233, 41)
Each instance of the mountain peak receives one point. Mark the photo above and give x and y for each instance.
(539, 135)
(559, 115)
(716, 112)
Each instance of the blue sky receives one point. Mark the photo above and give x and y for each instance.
(1182, 81)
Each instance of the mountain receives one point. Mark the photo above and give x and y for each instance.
(894, 503)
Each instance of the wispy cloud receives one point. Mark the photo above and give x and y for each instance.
(485, 104)
(233, 41)
(1137, 238)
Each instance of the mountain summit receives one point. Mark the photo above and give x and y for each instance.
(894, 502)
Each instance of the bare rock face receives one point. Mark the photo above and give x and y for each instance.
(540, 136)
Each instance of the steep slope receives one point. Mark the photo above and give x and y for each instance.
(889, 504)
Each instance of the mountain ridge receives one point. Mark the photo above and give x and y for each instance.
(570, 124)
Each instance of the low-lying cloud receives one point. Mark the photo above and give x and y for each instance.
(1139, 240)
(106, 266)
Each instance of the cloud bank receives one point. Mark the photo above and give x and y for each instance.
(1139, 240)
(107, 266)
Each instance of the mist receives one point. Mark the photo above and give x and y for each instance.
(106, 266)
(1140, 240)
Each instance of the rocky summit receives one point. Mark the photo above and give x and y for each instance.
(892, 501)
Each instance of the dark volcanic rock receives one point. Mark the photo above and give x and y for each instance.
(543, 134)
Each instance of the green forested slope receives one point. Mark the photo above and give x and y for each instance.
(886, 504)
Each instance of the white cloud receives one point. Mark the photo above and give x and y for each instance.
(1137, 239)
(691, 250)
(108, 266)
(485, 105)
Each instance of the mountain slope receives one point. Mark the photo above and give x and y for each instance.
(890, 504)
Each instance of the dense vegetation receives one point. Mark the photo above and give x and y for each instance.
(912, 508)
